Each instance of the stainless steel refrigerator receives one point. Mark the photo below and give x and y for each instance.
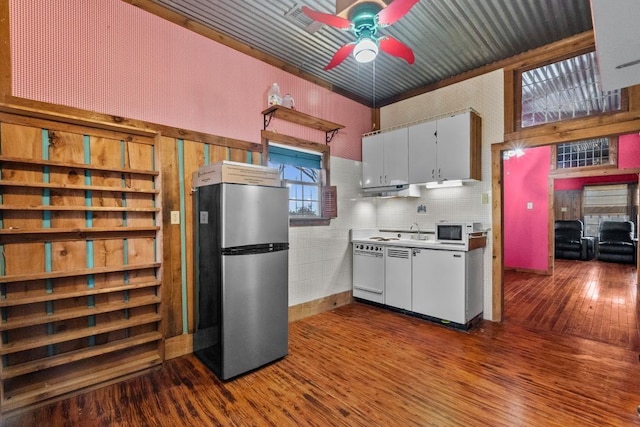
(241, 295)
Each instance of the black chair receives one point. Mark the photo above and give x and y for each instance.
(570, 243)
(616, 242)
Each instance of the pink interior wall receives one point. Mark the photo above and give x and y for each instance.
(526, 230)
(629, 151)
(111, 57)
(578, 183)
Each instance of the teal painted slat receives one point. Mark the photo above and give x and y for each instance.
(46, 223)
(207, 153)
(91, 301)
(249, 157)
(183, 236)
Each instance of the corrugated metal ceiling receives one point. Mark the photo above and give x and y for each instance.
(448, 37)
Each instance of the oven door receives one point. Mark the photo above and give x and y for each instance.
(368, 275)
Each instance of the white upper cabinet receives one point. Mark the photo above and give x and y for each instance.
(385, 159)
(372, 161)
(445, 149)
(454, 155)
(396, 157)
(422, 152)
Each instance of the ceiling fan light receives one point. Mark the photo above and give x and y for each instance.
(365, 51)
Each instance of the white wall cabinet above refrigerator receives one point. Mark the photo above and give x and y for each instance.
(385, 158)
(444, 149)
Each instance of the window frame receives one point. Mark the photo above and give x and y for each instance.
(612, 164)
(323, 150)
(517, 94)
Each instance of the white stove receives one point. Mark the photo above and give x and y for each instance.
(368, 271)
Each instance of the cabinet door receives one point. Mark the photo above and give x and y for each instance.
(397, 277)
(396, 157)
(438, 279)
(372, 161)
(454, 152)
(422, 152)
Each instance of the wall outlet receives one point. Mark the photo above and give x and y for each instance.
(175, 217)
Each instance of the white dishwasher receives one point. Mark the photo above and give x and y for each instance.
(397, 277)
(368, 272)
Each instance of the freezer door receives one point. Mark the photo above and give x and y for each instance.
(254, 311)
(253, 215)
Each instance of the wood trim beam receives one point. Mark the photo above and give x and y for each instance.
(497, 293)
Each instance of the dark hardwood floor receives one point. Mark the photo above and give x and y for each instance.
(363, 366)
(593, 299)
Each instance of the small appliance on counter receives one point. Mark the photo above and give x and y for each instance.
(456, 232)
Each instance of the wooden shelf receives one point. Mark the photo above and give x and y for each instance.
(47, 185)
(295, 116)
(19, 235)
(76, 208)
(90, 372)
(47, 318)
(78, 312)
(56, 296)
(31, 343)
(16, 278)
(35, 162)
(76, 355)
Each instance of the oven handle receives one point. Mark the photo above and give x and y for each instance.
(369, 254)
(362, 288)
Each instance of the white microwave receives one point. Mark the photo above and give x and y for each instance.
(456, 232)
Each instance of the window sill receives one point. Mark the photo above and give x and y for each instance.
(308, 222)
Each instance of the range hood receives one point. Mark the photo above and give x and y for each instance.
(402, 190)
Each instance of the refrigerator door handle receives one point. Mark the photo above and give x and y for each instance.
(255, 249)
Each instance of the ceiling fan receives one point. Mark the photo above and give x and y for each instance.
(364, 21)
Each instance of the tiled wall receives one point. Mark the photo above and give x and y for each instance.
(320, 257)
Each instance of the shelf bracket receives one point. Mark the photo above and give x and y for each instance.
(330, 134)
(267, 118)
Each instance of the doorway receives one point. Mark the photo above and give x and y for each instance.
(590, 299)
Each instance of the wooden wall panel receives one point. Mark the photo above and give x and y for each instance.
(172, 272)
(193, 159)
(61, 227)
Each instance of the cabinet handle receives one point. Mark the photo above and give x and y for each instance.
(380, 179)
(385, 179)
(433, 173)
(457, 256)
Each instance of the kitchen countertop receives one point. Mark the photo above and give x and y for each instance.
(406, 238)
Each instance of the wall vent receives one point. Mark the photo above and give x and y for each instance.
(296, 15)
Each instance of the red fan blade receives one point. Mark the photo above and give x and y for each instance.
(396, 10)
(396, 48)
(340, 55)
(325, 18)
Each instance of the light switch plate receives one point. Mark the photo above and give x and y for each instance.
(485, 198)
(529, 205)
(175, 217)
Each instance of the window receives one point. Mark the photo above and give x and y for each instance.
(591, 152)
(565, 90)
(301, 172)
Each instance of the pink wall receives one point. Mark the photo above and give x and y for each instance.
(114, 58)
(526, 230)
(629, 151)
(578, 183)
